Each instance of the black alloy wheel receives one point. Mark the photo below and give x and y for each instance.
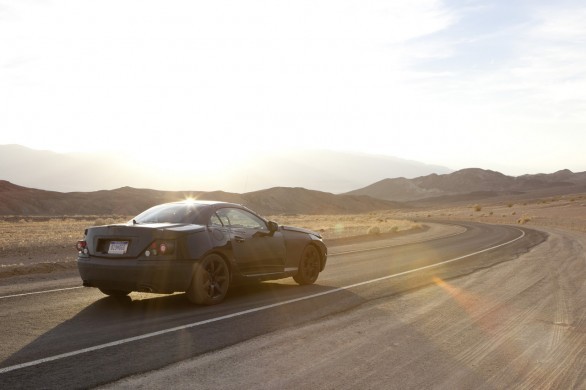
(211, 280)
(309, 266)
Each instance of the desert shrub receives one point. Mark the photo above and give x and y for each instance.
(109, 221)
(394, 229)
(374, 230)
(510, 205)
(477, 207)
(523, 220)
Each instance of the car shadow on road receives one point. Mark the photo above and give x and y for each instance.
(109, 330)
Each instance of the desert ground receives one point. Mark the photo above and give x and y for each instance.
(518, 324)
(31, 245)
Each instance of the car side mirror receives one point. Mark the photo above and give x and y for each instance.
(273, 226)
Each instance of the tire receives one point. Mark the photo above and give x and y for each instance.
(210, 282)
(114, 293)
(309, 266)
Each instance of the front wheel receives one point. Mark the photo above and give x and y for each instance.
(210, 281)
(309, 266)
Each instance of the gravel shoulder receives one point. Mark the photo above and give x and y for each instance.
(518, 324)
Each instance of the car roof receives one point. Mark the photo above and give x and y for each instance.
(205, 202)
(209, 204)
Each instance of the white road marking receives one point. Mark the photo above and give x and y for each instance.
(238, 314)
(40, 292)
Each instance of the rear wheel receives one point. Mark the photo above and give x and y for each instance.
(210, 282)
(114, 293)
(309, 266)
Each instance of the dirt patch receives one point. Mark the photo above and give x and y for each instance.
(564, 211)
(36, 268)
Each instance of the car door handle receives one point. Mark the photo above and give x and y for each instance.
(239, 239)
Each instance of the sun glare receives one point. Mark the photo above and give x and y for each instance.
(190, 199)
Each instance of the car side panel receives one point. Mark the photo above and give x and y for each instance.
(258, 253)
(296, 241)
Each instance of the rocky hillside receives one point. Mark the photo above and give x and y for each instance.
(472, 183)
(466, 185)
(127, 201)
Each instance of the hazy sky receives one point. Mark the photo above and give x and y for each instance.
(492, 84)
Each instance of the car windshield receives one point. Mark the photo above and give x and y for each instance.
(169, 213)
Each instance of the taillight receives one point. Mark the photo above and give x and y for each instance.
(82, 247)
(160, 248)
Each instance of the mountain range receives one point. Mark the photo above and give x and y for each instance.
(472, 183)
(457, 187)
(128, 201)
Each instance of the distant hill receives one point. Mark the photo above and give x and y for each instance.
(473, 183)
(128, 201)
(321, 170)
(462, 186)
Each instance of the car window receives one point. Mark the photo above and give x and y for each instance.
(169, 213)
(241, 218)
(215, 220)
(223, 217)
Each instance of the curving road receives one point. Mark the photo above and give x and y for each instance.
(77, 338)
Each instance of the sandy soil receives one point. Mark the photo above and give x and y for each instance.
(564, 211)
(520, 324)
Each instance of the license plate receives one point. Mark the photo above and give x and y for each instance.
(117, 247)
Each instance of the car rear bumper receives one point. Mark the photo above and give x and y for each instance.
(158, 276)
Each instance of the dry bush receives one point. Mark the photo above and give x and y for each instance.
(108, 221)
(373, 230)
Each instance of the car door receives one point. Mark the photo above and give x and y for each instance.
(255, 249)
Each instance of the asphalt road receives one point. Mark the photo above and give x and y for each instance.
(78, 338)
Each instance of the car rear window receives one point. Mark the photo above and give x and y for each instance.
(169, 213)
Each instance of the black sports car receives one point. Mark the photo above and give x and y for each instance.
(200, 247)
